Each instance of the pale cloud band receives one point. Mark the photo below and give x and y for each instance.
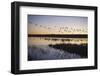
(49, 24)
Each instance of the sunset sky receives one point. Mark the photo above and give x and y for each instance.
(46, 24)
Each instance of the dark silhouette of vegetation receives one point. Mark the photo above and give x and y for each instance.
(81, 49)
(59, 35)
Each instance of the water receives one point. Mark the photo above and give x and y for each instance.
(51, 48)
(51, 40)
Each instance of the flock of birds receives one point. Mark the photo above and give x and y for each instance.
(63, 29)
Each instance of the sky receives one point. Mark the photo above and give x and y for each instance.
(49, 24)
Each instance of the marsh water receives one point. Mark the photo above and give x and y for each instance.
(48, 40)
(50, 48)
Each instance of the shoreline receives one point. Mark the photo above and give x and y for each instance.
(59, 35)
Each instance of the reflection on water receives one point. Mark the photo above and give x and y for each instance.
(51, 40)
(51, 48)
